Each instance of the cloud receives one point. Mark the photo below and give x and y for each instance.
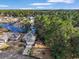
(40, 7)
(73, 8)
(25, 8)
(37, 4)
(62, 1)
(4, 6)
(43, 8)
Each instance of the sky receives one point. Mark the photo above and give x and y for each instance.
(39, 4)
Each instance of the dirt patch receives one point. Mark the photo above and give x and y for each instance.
(14, 51)
(41, 51)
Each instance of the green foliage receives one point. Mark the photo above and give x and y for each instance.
(58, 30)
(24, 20)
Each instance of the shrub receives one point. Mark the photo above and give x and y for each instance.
(57, 34)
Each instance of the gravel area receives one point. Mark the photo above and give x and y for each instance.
(9, 55)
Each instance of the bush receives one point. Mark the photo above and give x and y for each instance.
(57, 34)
